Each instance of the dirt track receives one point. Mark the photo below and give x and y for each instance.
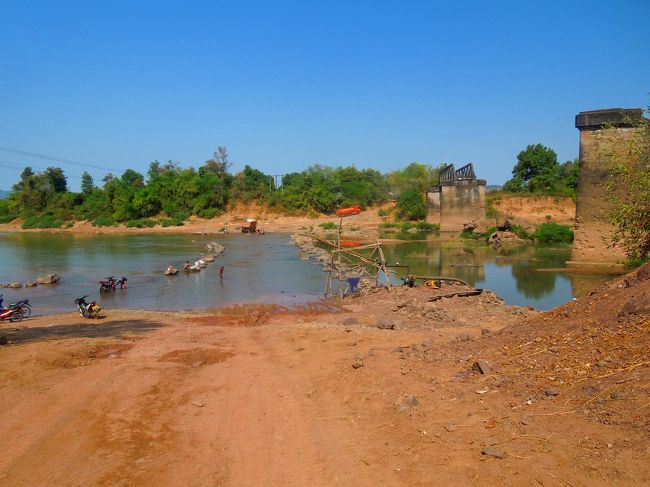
(303, 397)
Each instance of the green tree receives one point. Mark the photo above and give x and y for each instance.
(415, 176)
(57, 179)
(87, 183)
(411, 206)
(628, 190)
(537, 170)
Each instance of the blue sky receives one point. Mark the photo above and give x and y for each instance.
(288, 84)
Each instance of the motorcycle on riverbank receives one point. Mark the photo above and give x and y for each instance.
(86, 309)
(16, 311)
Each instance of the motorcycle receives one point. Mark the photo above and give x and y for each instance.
(110, 284)
(11, 314)
(24, 305)
(107, 285)
(87, 310)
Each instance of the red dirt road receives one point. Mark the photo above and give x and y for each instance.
(143, 398)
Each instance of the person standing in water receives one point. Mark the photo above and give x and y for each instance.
(221, 272)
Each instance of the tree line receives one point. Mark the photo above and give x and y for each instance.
(172, 193)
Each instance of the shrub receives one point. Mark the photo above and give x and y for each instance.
(181, 215)
(479, 236)
(8, 211)
(383, 212)
(328, 225)
(141, 223)
(427, 227)
(634, 262)
(553, 232)
(46, 220)
(411, 206)
(170, 222)
(388, 225)
(209, 212)
(103, 221)
(521, 232)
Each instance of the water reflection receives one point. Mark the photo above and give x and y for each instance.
(263, 269)
(512, 272)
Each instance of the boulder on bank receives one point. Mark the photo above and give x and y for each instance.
(478, 228)
(15, 285)
(504, 224)
(172, 271)
(209, 258)
(48, 279)
(216, 248)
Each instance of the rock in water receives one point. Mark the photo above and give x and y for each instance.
(49, 279)
(216, 248)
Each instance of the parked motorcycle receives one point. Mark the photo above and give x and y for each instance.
(11, 314)
(24, 305)
(87, 310)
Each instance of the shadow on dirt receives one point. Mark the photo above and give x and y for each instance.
(80, 330)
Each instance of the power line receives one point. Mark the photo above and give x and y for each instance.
(13, 165)
(57, 159)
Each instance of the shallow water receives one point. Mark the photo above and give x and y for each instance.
(513, 273)
(263, 269)
(257, 269)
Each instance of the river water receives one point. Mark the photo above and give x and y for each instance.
(257, 269)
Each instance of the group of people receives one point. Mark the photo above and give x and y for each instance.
(199, 264)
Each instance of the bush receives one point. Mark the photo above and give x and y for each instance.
(388, 225)
(103, 221)
(553, 232)
(479, 236)
(170, 222)
(427, 227)
(141, 223)
(328, 225)
(411, 206)
(209, 212)
(181, 215)
(521, 232)
(46, 220)
(8, 211)
(383, 212)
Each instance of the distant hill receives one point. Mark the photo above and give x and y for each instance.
(493, 187)
(4, 194)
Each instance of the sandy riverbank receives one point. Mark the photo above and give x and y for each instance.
(263, 395)
(366, 222)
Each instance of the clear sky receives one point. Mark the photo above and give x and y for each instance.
(288, 84)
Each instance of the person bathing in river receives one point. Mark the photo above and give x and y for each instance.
(186, 267)
(221, 272)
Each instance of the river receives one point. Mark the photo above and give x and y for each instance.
(257, 269)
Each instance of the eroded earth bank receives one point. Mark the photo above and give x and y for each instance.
(461, 391)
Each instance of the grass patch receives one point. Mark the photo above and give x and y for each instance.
(171, 222)
(46, 220)
(521, 232)
(141, 223)
(103, 221)
(328, 225)
(553, 232)
(208, 213)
